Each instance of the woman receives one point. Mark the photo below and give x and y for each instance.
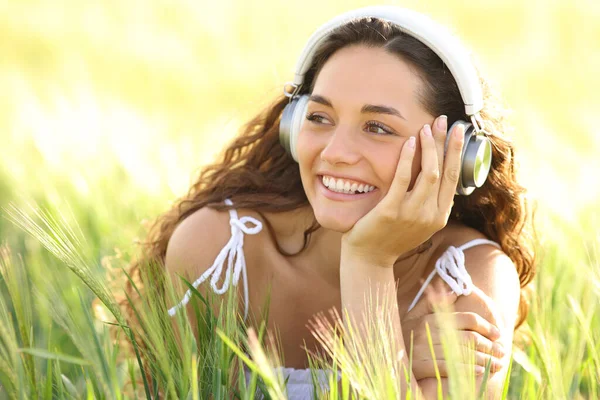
(370, 201)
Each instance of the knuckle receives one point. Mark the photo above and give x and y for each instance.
(390, 215)
(410, 218)
(470, 319)
(452, 175)
(440, 135)
(432, 176)
(472, 338)
(403, 178)
(440, 222)
(426, 220)
(458, 144)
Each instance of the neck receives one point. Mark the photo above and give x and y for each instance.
(324, 250)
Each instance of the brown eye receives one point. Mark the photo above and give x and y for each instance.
(378, 129)
(316, 118)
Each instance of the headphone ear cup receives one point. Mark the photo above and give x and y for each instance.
(476, 159)
(292, 118)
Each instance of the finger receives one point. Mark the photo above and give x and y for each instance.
(427, 368)
(428, 180)
(474, 322)
(445, 294)
(448, 299)
(480, 343)
(424, 305)
(451, 170)
(490, 309)
(436, 297)
(425, 328)
(437, 328)
(471, 327)
(468, 339)
(439, 298)
(440, 128)
(403, 174)
(465, 354)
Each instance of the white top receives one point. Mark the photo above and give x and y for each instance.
(450, 266)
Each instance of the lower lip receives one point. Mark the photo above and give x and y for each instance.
(341, 196)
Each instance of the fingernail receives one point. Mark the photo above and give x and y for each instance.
(498, 349)
(427, 130)
(442, 123)
(495, 331)
(497, 365)
(479, 369)
(411, 142)
(459, 132)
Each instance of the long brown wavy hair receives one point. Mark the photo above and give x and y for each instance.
(256, 173)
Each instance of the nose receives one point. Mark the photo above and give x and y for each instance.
(341, 147)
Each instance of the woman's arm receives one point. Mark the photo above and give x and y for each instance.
(358, 277)
(495, 275)
(492, 272)
(401, 221)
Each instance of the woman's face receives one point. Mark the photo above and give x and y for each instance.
(362, 109)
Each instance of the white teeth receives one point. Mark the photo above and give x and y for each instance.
(342, 186)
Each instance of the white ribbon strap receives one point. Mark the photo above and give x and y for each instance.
(236, 262)
(451, 268)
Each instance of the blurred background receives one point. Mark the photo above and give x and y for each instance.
(116, 104)
(108, 108)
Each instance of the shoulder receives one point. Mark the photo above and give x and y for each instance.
(199, 238)
(196, 241)
(491, 270)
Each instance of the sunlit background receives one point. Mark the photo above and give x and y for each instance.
(108, 108)
(134, 96)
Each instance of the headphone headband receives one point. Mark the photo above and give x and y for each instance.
(436, 37)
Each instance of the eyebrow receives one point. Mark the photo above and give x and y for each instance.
(367, 108)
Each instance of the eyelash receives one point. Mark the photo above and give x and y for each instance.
(313, 118)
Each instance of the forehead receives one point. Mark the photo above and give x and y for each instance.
(361, 74)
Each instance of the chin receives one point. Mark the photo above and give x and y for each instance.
(336, 219)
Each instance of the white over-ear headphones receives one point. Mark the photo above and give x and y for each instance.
(477, 149)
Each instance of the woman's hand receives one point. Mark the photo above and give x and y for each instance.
(475, 334)
(404, 219)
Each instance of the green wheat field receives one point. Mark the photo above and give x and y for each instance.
(109, 108)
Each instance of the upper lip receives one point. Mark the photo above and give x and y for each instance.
(349, 178)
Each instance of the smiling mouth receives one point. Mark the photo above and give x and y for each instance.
(345, 186)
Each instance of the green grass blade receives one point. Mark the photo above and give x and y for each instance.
(54, 356)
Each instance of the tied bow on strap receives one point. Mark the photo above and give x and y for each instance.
(234, 254)
(451, 268)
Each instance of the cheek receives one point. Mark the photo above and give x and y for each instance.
(306, 152)
(304, 146)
